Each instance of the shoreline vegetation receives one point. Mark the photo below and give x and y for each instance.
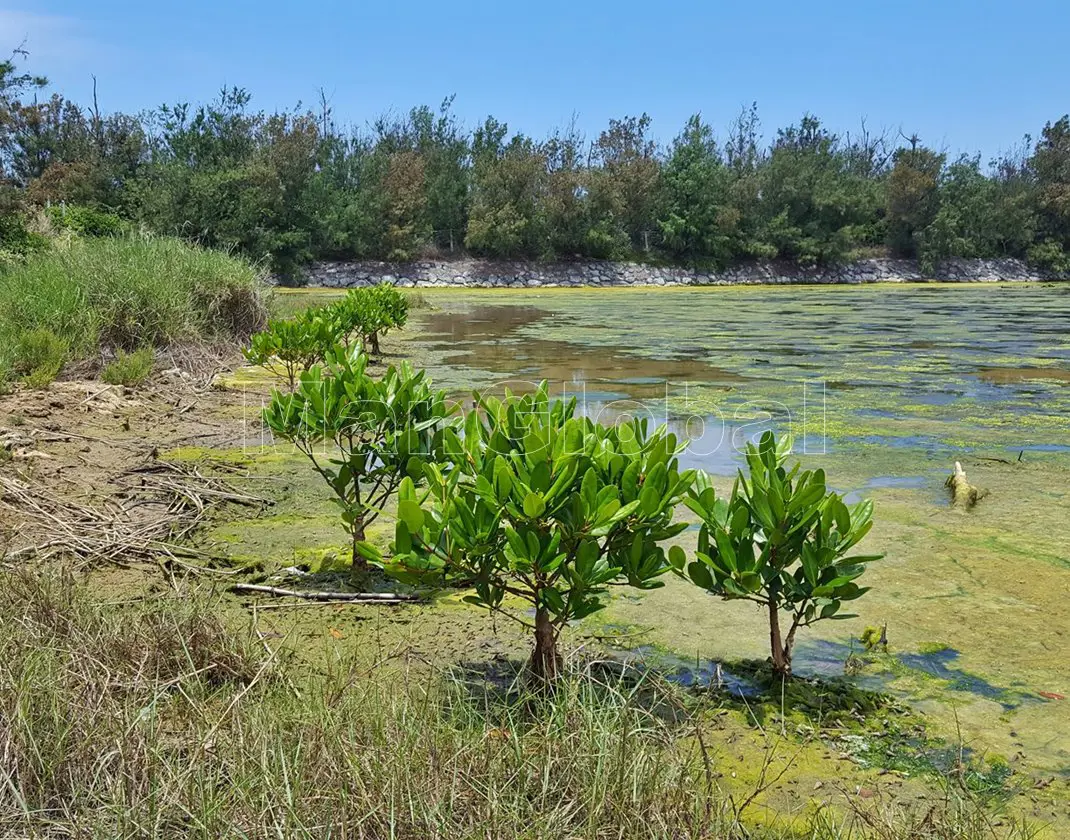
(151, 715)
(92, 301)
(149, 701)
(289, 188)
(139, 697)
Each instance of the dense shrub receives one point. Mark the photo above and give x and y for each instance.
(370, 313)
(16, 241)
(781, 540)
(131, 292)
(1050, 256)
(288, 347)
(544, 506)
(84, 221)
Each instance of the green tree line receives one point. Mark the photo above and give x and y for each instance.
(290, 187)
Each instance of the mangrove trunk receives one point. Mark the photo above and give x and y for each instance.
(545, 661)
(781, 653)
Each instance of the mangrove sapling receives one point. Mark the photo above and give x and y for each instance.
(288, 347)
(543, 506)
(394, 307)
(361, 433)
(369, 313)
(781, 540)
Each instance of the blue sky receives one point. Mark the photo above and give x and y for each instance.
(966, 76)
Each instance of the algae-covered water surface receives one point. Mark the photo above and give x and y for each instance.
(885, 387)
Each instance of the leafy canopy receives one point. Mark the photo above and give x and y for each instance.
(781, 540)
(538, 504)
(362, 433)
(366, 314)
(287, 347)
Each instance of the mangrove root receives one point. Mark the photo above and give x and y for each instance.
(963, 494)
(363, 597)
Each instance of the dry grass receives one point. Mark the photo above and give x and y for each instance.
(153, 719)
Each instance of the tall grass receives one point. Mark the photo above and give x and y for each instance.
(129, 292)
(157, 720)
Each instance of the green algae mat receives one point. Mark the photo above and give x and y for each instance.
(883, 386)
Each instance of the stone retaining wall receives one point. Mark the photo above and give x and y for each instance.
(502, 274)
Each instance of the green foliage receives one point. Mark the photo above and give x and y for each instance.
(912, 197)
(625, 189)
(980, 215)
(699, 222)
(287, 347)
(17, 242)
(85, 221)
(508, 179)
(1050, 166)
(781, 540)
(538, 504)
(39, 357)
(129, 368)
(368, 314)
(1050, 256)
(362, 434)
(819, 205)
(130, 292)
(232, 178)
(288, 187)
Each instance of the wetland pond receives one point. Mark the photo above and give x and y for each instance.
(885, 387)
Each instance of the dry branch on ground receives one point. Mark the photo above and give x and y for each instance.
(157, 507)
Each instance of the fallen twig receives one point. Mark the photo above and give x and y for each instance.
(94, 395)
(367, 597)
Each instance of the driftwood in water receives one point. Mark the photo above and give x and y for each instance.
(381, 598)
(963, 494)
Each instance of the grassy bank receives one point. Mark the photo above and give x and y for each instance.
(156, 717)
(84, 296)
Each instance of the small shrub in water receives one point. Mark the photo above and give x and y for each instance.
(546, 507)
(369, 314)
(129, 368)
(781, 540)
(289, 347)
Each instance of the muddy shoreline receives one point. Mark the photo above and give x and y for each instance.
(944, 663)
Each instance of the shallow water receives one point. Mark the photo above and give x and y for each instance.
(885, 387)
(931, 355)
